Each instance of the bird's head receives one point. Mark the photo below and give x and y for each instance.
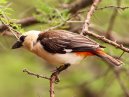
(27, 40)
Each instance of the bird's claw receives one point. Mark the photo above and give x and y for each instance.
(55, 74)
(56, 78)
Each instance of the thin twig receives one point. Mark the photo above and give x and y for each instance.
(102, 38)
(121, 55)
(107, 7)
(51, 79)
(23, 22)
(14, 32)
(88, 17)
(34, 74)
(115, 7)
(85, 30)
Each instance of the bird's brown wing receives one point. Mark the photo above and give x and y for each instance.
(61, 41)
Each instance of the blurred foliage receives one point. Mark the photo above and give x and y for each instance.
(77, 81)
(49, 14)
(5, 13)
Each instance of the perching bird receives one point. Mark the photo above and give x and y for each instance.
(62, 47)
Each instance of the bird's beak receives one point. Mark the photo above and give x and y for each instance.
(18, 44)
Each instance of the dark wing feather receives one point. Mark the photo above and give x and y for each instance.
(57, 41)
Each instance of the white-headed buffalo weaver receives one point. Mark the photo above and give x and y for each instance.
(62, 48)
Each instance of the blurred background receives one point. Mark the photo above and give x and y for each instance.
(92, 77)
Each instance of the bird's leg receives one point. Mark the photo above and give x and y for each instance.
(58, 71)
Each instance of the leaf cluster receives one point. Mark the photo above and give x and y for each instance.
(49, 14)
(5, 19)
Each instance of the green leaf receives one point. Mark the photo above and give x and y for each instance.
(43, 7)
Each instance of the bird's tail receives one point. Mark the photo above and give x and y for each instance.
(109, 59)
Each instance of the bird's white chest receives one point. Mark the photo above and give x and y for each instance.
(56, 59)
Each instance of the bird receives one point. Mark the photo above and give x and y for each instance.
(62, 48)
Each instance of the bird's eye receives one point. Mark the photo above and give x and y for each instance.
(22, 38)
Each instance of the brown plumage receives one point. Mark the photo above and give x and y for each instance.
(56, 41)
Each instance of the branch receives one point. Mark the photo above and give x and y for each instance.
(115, 7)
(9, 27)
(23, 22)
(120, 46)
(100, 31)
(124, 42)
(34, 74)
(88, 17)
(85, 30)
(32, 20)
(51, 79)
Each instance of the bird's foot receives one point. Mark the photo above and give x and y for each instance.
(55, 74)
(55, 77)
